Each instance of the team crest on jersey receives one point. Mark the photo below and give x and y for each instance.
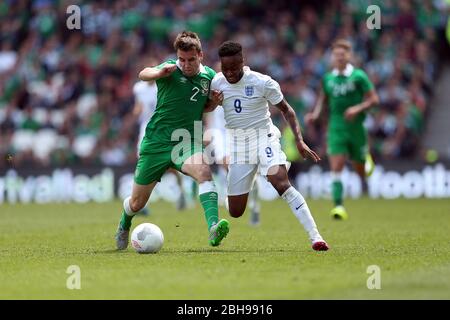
(249, 91)
(205, 86)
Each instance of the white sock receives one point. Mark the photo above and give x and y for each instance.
(127, 208)
(207, 186)
(336, 176)
(300, 209)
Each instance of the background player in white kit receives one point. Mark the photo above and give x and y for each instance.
(246, 95)
(145, 96)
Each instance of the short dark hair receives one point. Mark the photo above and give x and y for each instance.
(342, 43)
(230, 48)
(186, 41)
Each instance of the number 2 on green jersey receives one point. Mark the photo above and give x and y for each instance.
(196, 91)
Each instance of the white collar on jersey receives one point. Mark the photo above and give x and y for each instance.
(347, 71)
(202, 67)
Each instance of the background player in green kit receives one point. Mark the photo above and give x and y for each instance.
(349, 94)
(169, 141)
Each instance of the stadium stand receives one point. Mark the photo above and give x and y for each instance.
(66, 95)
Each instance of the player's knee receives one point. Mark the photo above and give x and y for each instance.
(281, 185)
(204, 174)
(236, 212)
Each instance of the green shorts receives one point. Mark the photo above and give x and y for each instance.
(352, 143)
(153, 162)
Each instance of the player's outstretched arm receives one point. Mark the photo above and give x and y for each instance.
(313, 116)
(151, 74)
(291, 119)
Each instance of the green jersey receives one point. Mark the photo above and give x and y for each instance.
(181, 101)
(344, 91)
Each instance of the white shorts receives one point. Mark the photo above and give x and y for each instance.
(241, 176)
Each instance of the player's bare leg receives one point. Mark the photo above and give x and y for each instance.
(237, 204)
(278, 177)
(196, 167)
(337, 163)
(131, 206)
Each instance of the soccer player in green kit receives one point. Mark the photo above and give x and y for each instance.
(183, 95)
(349, 94)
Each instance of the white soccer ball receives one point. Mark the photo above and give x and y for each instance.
(147, 238)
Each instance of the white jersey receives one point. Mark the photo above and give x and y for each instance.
(245, 102)
(217, 119)
(252, 139)
(146, 94)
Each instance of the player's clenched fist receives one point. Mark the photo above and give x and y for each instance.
(216, 97)
(167, 70)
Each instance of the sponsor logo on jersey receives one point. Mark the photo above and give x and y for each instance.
(249, 91)
(341, 89)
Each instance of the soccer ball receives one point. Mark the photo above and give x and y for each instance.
(147, 238)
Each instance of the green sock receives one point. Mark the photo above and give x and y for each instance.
(337, 190)
(125, 221)
(209, 204)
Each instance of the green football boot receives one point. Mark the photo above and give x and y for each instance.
(218, 232)
(339, 213)
(121, 237)
(369, 165)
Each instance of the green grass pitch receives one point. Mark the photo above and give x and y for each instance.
(408, 239)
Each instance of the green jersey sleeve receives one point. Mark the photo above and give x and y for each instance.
(364, 81)
(161, 81)
(165, 63)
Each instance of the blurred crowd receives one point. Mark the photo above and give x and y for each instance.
(66, 95)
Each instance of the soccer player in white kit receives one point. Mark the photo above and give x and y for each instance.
(255, 141)
(215, 125)
(146, 96)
